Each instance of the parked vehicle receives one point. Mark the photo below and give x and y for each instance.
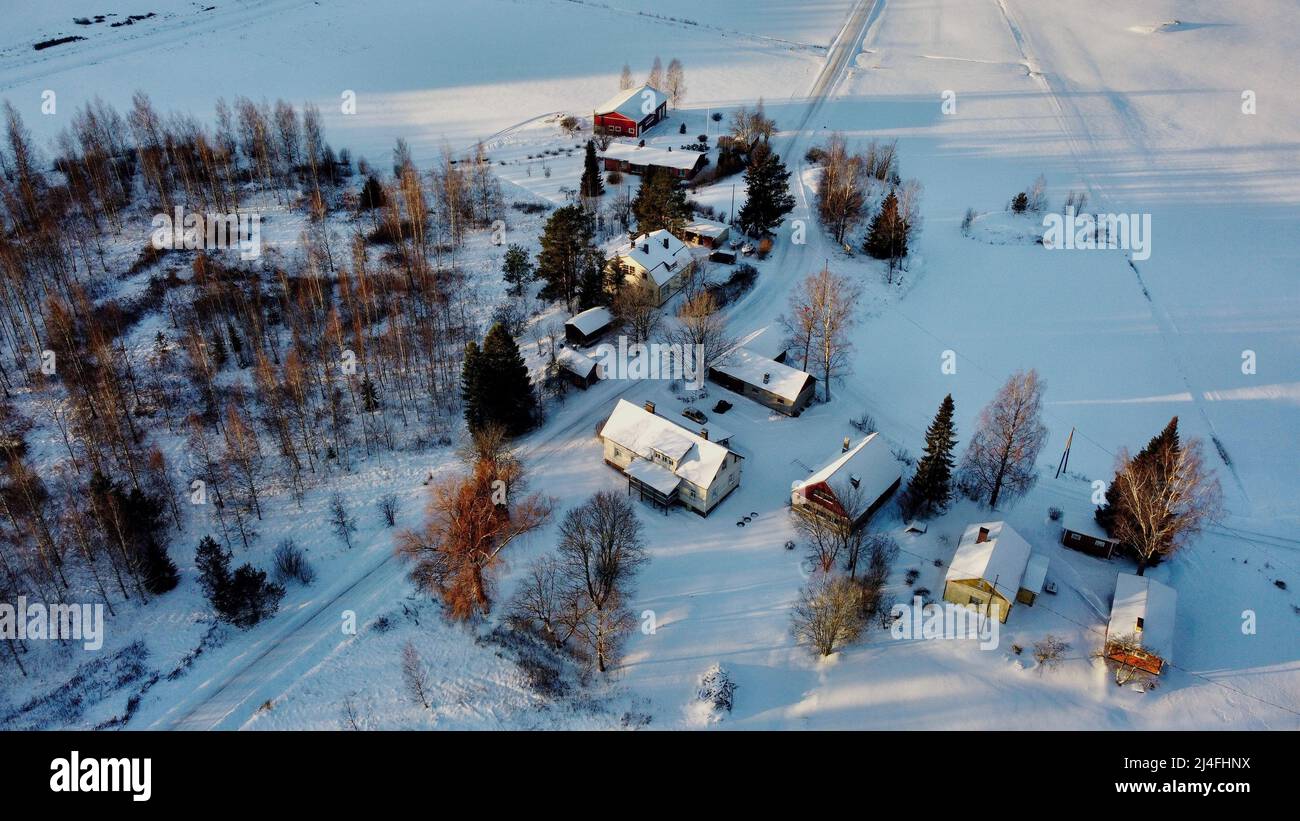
(695, 415)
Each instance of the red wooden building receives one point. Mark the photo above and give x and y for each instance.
(631, 111)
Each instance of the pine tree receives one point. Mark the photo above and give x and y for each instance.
(591, 183)
(569, 254)
(1166, 439)
(887, 238)
(660, 203)
(517, 269)
(768, 197)
(931, 485)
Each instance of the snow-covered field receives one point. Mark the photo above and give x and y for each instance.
(1112, 97)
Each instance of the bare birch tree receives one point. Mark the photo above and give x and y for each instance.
(999, 461)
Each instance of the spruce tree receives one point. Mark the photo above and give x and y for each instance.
(592, 186)
(569, 254)
(887, 238)
(517, 269)
(213, 563)
(931, 485)
(660, 203)
(508, 396)
(768, 197)
(1166, 439)
(472, 387)
(369, 395)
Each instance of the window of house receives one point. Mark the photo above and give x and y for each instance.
(1141, 622)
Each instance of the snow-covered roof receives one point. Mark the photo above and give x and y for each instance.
(869, 462)
(659, 253)
(1035, 573)
(717, 433)
(1001, 558)
(576, 362)
(1138, 597)
(749, 367)
(591, 320)
(681, 159)
(1086, 525)
(656, 476)
(631, 102)
(706, 228)
(697, 459)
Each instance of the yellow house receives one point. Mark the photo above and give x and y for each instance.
(989, 570)
(657, 263)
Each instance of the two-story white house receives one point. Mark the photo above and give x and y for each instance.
(666, 463)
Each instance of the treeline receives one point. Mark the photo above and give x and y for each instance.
(273, 373)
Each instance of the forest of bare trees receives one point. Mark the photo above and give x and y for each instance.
(273, 373)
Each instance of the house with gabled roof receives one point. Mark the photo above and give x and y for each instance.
(630, 158)
(1141, 628)
(666, 463)
(868, 470)
(766, 381)
(989, 570)
(632, 111)
(588, 326)
(658, 263)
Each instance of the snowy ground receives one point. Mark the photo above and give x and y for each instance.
(1112, 98)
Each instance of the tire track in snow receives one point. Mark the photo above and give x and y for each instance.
(1165, 324)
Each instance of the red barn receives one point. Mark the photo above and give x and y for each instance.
(631, 111)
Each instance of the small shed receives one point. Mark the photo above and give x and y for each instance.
(579, 369)
(1035, 575)
(1086, 536)
(1141, 628)
(587, 327)
(706, 233)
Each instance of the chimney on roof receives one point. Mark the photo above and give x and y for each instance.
(649, 406)
(845, 447)
(704, 433)
(665, 242)
(983, 536)
(645, 248)
(767, 377)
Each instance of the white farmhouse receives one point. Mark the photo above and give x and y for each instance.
(666, 463)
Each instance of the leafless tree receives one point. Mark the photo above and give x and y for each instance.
(415, 676)
(601, 548)
(842, 190)
(625, 80)
(656, 78)
(700, 324)
(341, 523)
(547, 602)
(1125, 672)
(675, 81)
(641, 317)
(1164, 500)
(999, 461)
(1050, 652)
(828, 613)
(822, 312)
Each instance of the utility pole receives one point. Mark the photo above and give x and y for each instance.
(1065, 457)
